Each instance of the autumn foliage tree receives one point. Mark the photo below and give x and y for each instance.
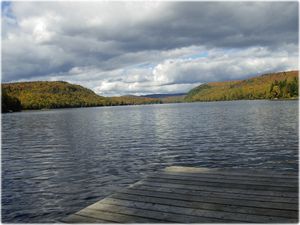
(284, 89)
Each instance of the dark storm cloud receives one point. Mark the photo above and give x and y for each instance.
(221, 24)
(224, 25)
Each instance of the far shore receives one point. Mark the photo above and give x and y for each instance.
(162, 103)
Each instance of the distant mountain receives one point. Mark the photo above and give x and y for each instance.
(133, 100)
(163, 95)
(168, 98)
(282, 85)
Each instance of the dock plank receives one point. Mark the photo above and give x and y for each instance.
(241, 180)
(218, 216)
(115, 217)
(208, 206)
(200, 195)
(189, 197)
(281, 181)
(225, 184)
(163, 216)
(74, 218)
(213, 193)
(182, 185)
(232, 172)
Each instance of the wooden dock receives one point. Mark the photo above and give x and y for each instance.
(200, 195)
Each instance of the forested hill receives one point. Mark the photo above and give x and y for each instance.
(52, 94)
(57, 94)
(283, 85)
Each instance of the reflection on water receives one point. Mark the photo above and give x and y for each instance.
(57, 162)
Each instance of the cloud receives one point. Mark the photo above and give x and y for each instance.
(146, 47)
(189, 72)
(181, 72)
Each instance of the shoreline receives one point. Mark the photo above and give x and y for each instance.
(162, 103)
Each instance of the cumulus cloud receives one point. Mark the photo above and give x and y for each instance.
(120, 48)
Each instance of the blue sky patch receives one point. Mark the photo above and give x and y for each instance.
(6, 10)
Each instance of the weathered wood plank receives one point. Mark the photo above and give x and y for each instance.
(207, 206)
(223, 184)
(200, 195)
(189, 197)
(115, 217)
(182, 185)
(227, 180)
(217, 194)
(282, 180)
(233, 172)
(74, 218)
(182, 211)
(166, 217)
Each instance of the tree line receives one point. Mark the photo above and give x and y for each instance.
(284, 89)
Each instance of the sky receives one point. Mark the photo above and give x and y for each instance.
(124, 48)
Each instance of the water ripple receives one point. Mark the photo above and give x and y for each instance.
(57, 162)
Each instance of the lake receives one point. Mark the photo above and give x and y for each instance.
(58, 161)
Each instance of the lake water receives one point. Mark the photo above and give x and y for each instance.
(59, 161)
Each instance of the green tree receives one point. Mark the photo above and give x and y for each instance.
(10, 103)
